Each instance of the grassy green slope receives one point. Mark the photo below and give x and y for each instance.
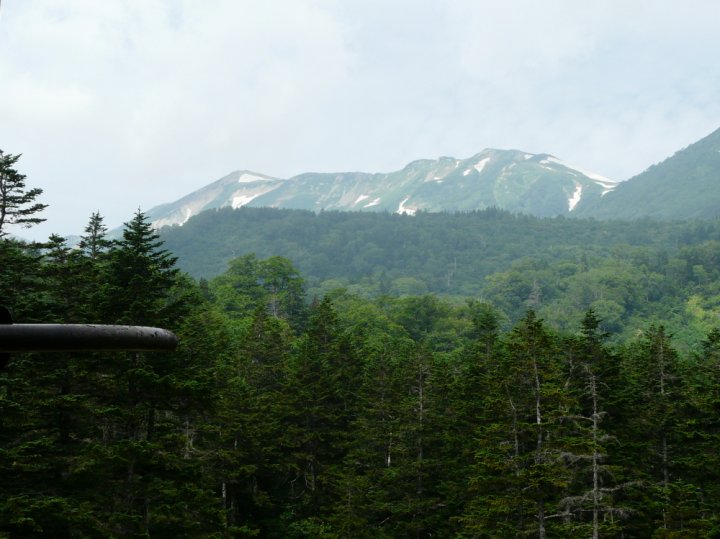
(684, 186)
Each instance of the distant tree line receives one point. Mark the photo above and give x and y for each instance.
(629, 273)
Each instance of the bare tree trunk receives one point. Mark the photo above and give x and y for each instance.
(421, 418)
(539, 448)
(595, 459)
(663, 433)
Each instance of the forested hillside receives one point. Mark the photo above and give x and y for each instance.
(341, 417)
(683, 186)
(630, 273)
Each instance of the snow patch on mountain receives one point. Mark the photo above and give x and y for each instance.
(602, 180)
(246, 177)
(575, 198)
(240, 201)
(403, 210)
(466, 171)
(372, 203)
(480, 165)
(360, 199)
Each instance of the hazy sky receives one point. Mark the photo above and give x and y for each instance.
(120, 104)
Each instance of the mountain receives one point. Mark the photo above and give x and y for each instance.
(684, 186)
(536, 184)
(234, 190)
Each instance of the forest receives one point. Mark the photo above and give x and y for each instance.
(350, 414)
(631, 273)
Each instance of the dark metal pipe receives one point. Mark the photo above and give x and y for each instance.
(83, 337)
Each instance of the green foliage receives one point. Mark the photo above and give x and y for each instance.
(250, 283)
(449, 253)
(628, 273)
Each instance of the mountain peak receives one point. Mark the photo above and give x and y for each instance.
(508, 179)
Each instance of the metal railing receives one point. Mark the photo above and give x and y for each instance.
(79, 338)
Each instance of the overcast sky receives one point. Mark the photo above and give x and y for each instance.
(120, 104)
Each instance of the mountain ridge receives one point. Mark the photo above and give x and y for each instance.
(513, 180)
(685, 185)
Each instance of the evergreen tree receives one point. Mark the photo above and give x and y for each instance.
(140, 276)
(590, 499)
(653, 404)
(143, 397)
(520, 477)
(94, 242)
(252, 466)
(21, 281)
(698, 497)
(321, 402)
(17, 203)
(91, 259)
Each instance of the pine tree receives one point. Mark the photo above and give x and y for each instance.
(140, 276)
(520, 477)
(17, 203)
(320, 398)
(48, 425)
(590, 500)
(143, 398)
(653, 404)
(21, 281)
(91, 259)
(252, 406)
(94, 242)
(698, 496)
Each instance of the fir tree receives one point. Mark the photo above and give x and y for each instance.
(17, 203)
(140, 275)
(94, 242)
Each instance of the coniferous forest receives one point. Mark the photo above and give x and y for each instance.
(346, 414)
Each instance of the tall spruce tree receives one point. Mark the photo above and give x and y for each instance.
(590, 501)
(94, 242)
(520, 476)
(143, 398)
(140, 276)
(17, 203)
(651, 432)
(321, 403)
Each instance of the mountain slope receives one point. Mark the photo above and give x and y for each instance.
(684, 186)
(512, 180)
(235, 190)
